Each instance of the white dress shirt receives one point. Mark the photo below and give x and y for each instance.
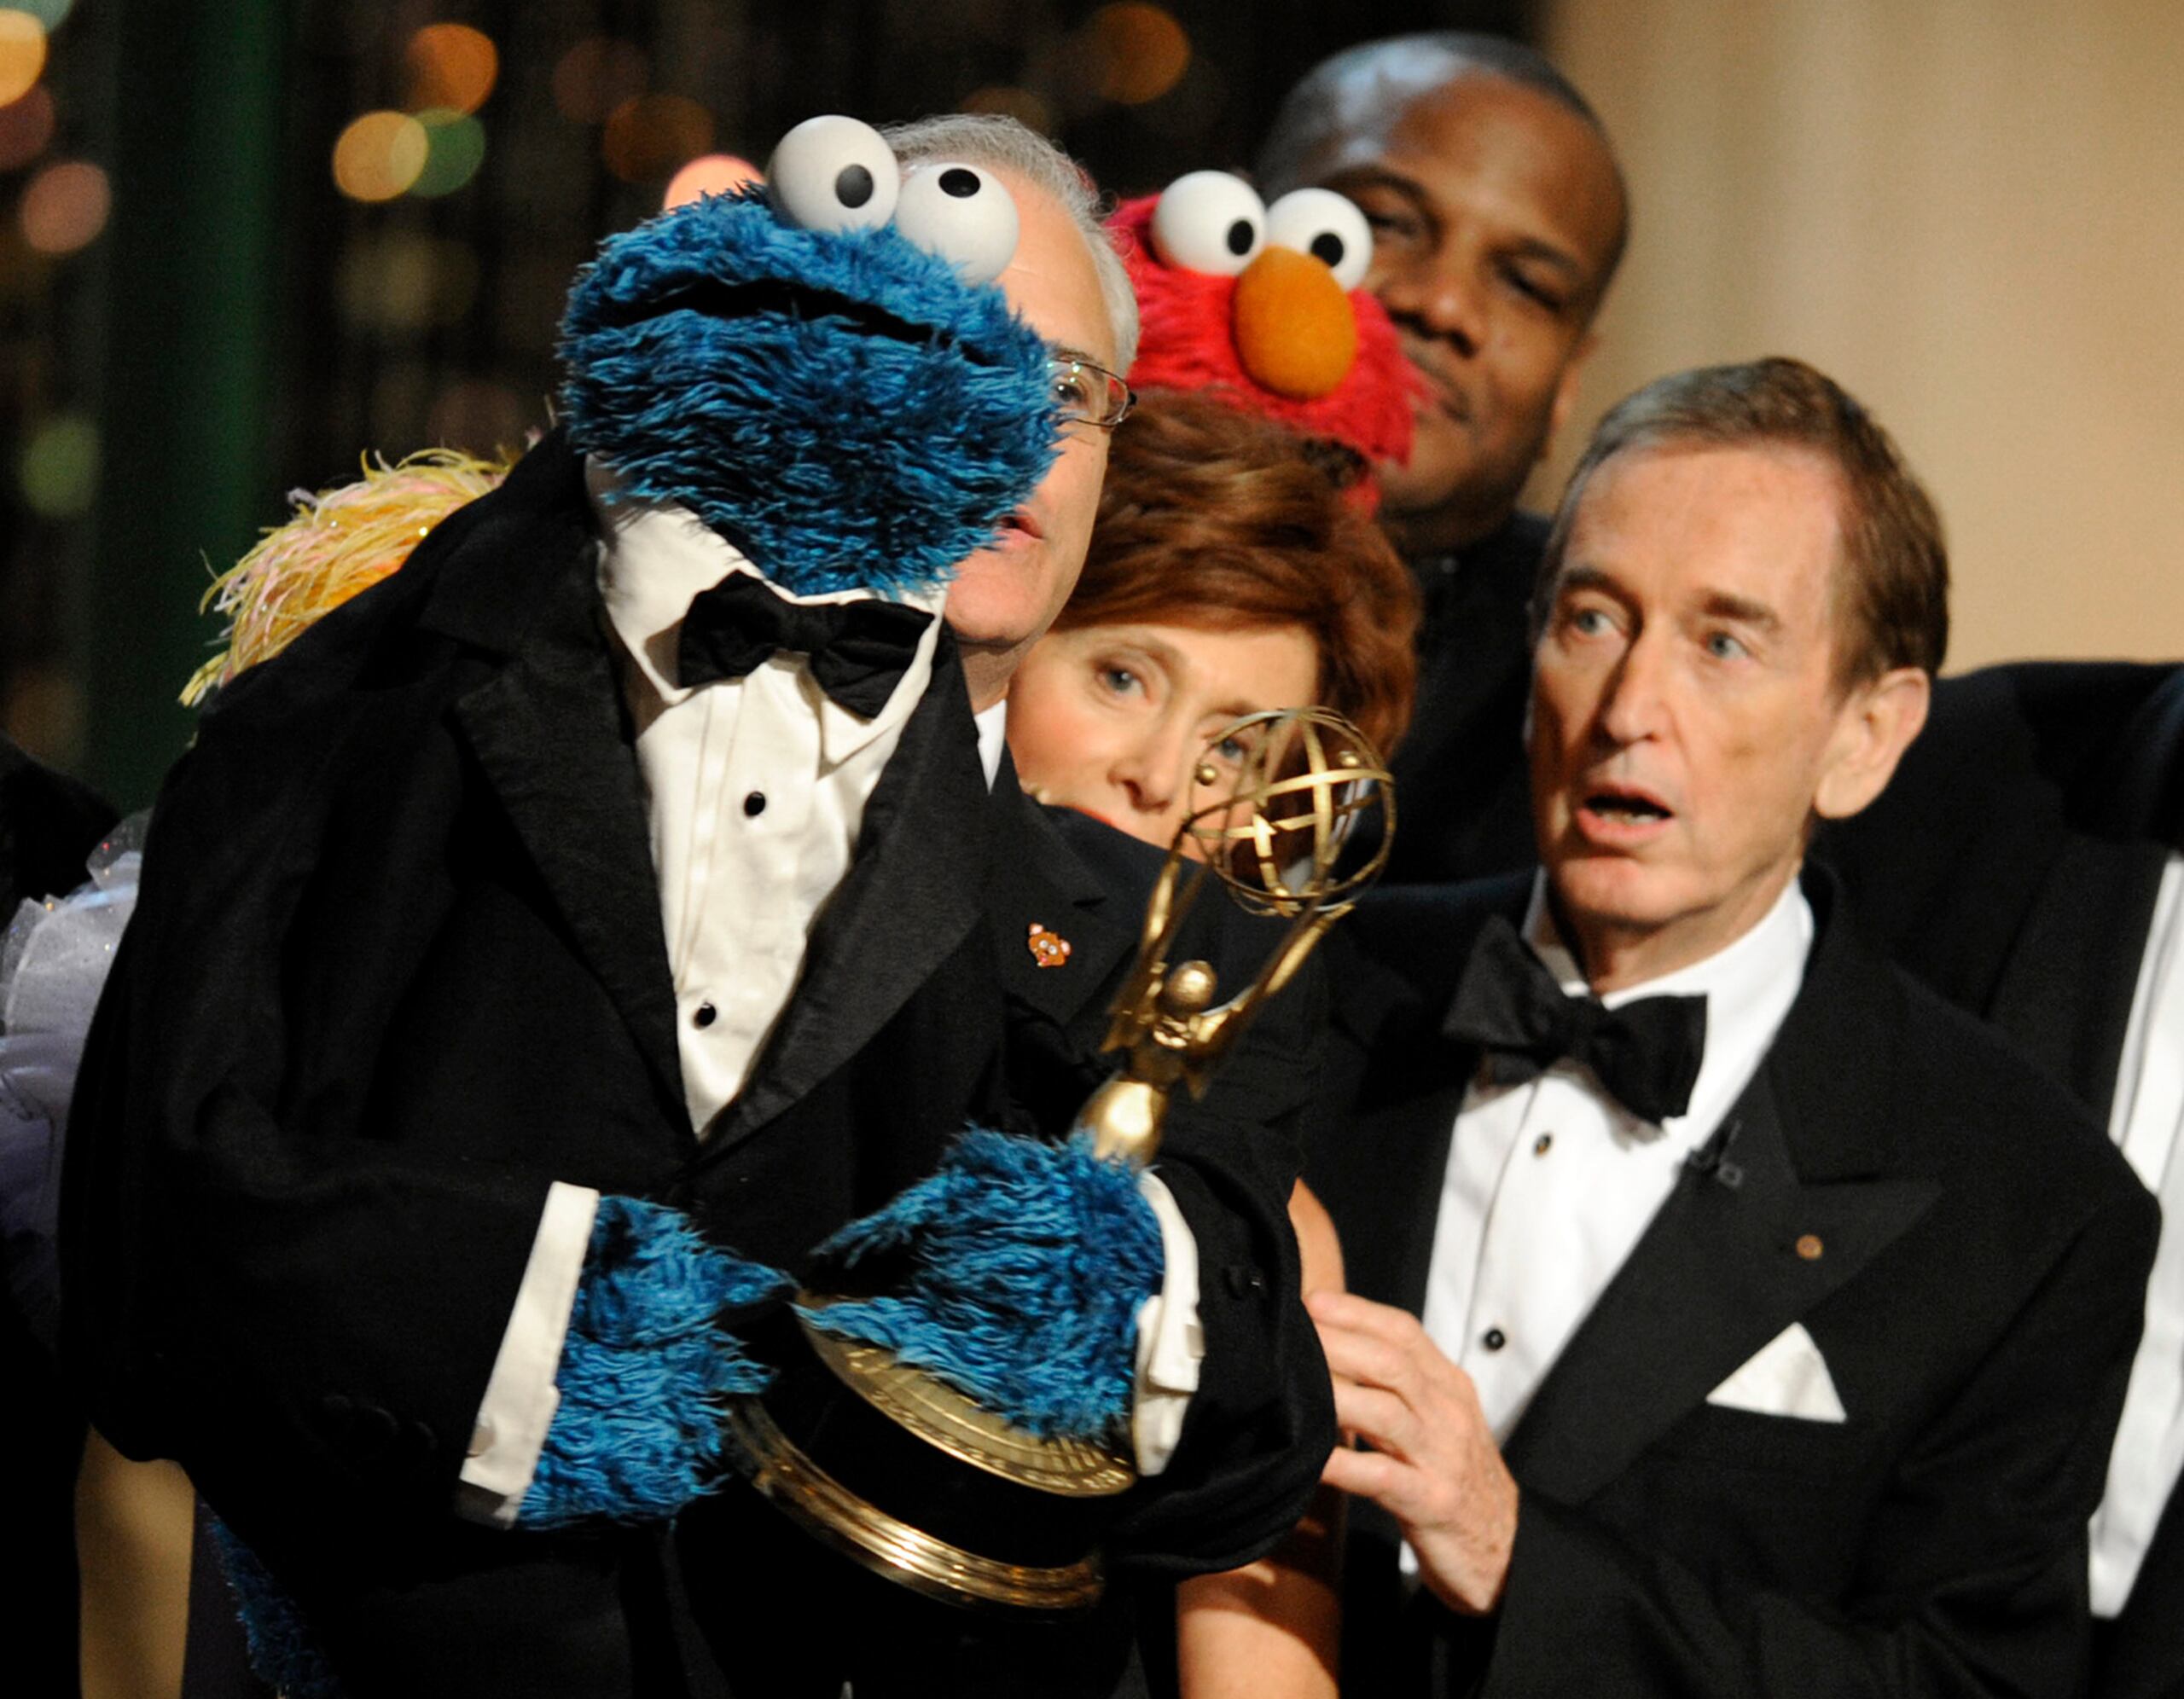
(2147, 1122)
(755, 790)
(1550, 1183)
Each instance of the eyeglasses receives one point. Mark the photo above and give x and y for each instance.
(1086, 394)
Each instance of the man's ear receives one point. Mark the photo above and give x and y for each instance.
(1875, 725)
(1566, 387)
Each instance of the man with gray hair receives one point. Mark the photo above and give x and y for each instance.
(1728, 1313)
(1498, 216)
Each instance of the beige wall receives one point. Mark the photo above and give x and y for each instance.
(1969, 212)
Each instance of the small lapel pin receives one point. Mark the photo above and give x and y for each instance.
(1049, 949)
(1809, 1247)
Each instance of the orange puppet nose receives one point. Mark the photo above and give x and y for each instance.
(1295, 332)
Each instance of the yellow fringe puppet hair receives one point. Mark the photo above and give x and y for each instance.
(341, 540)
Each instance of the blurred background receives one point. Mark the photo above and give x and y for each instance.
(242, 242)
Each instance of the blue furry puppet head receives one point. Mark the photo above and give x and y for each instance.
(819, 369)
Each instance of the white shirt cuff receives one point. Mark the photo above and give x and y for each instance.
(521, 1397)
(1171, 1343)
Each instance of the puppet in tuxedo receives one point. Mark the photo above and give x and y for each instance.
(1774, 1316)
(401, 1062)
(2025, 861)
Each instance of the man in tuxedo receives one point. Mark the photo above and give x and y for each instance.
(2025, 861)
(1762, 1321)
(399, 1000)
(1498, 216)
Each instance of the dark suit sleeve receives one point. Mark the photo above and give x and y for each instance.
(1262, 1421)
(1974, 1580)
(304, 1314)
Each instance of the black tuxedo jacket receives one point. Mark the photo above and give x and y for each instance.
(2013, 863)
(397, 966)
(1981, 1256)
(1461, 779)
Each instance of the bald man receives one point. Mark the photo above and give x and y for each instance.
(1498, 216)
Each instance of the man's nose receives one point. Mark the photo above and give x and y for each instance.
(1431, 298)
(1633, 699)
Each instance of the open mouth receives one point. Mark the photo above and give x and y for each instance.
(779, 297)
(1620, 807)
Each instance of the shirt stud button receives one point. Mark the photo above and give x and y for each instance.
(755, 804)
(705, 1015)
(1493, 1339)
(1543, 1144)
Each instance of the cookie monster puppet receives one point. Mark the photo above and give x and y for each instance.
(395, 1004)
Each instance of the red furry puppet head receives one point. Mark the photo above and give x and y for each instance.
(1262, 306)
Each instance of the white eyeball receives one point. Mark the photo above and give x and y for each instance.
(1318, 221)
(963, 214)
(834, 173)
(1209, 222)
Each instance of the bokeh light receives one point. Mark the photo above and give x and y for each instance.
(401, 280)
(1136, 53)
(60, 468)
(452, 66)
(380, 155)
(597, 75)
(22, 52)
(64, 207)
(1027, 108)
(653, 135)
(26, 126)
(455, 149)
(709, 174)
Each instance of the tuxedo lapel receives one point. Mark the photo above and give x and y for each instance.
(910, 897)
(2064, 993)
(1715, 1277)
(1042, 876)
(546, 732)
(1790, 1201)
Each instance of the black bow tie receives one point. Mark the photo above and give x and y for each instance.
(859, 650)
(1646, 1053)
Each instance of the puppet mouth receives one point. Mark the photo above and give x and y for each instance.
(779, 298)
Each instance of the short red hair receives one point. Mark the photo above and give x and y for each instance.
(1213, 518)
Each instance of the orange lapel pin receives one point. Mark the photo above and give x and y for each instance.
(1049, 949)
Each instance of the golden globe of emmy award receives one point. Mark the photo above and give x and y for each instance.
(922, 1485)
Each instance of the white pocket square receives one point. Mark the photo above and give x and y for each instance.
(1785, 1377)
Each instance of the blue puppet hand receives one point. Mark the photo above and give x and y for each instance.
(647, 1357)
(1028, 1263)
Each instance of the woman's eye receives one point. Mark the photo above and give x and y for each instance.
(1120, 679)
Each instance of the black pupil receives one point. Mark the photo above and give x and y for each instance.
(1327, 247)
(959, 183)
(1240, 237)
(853, 185)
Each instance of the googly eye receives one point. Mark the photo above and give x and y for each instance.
(963, 214)
(835, 173)
(1209, 222)
(1320, 222)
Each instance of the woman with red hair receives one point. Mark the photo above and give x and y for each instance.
(1228, 574)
